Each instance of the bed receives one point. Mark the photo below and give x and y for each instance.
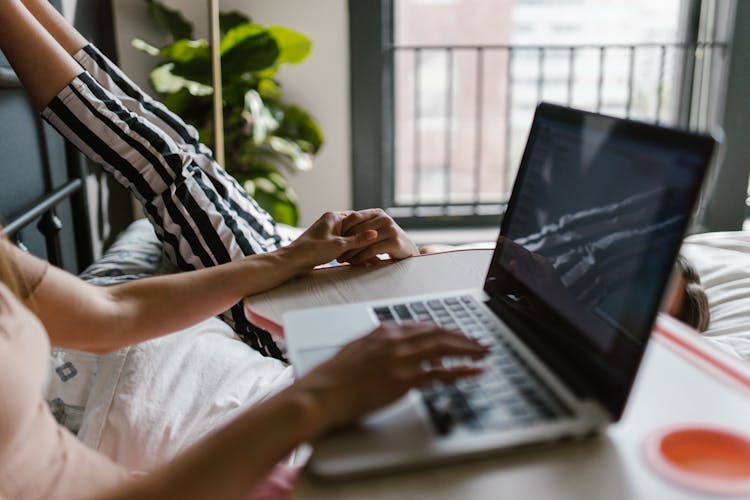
(140, 405)
(143, 404)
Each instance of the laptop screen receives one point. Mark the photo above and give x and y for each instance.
(594, 223)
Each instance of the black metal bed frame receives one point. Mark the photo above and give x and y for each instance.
(61, 214)
(43, 210)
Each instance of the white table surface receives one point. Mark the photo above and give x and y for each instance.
(671, 388)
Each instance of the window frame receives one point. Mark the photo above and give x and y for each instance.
(372, 96)
(372, 119)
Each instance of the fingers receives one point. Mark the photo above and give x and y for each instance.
(363, 255)
(418, 351)
(386, 229)
(360, 221)
(431, 342)
(353, 219)
(445, 375)
(432, 349)
(381, 367)
(359, 240)
(395, 242)
(389, 241)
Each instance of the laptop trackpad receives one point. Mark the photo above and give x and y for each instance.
(382, 440)
(313, 356)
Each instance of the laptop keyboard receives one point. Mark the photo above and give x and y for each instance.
(507, 395)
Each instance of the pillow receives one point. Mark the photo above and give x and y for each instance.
(722, 260)
(136, 253)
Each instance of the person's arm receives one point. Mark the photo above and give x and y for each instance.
(29, 47)
(66, 35)
(365, 375)
(81, 316)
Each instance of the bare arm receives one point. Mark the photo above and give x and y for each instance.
(29, 47)
(81, 316)
(367, 374)
(66, 35)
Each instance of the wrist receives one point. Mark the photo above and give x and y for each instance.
(294, 258)
(310, 406)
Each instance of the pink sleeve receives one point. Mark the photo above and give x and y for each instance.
(279, 484)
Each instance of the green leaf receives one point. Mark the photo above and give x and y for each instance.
(249, 186)
(298, 125)
(265, 139)
(262, 122)
(278, 180)
(228, 20)
(165, 81)
(185, 51)
(238, 34)
(170, 19)
(179, 101)
(191, 59)
(281, 206)
(280, 202)
(294, 47)
(144, 46)
(265, 185)
(278, 155)
(269, 89)
(193, 109)
(247, 48)
(300, 160)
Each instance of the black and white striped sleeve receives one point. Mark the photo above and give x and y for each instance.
(132, 97)
(198, 221)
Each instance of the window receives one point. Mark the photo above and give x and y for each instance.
(443, 91)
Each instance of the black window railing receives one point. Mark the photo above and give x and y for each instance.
(460, 114)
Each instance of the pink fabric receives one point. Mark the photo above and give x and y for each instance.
(38, 458)
(279, 484)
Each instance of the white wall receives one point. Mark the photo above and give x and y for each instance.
(320, 84)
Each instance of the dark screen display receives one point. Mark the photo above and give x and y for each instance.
(594, 222)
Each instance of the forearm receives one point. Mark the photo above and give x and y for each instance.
(365, 375)
(54, 22)
(230, 462)
(42, 65)
(156, 306)
(81, 316)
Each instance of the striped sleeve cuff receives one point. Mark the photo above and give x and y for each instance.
(94, 120)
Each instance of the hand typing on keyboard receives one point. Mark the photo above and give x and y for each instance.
(381, 367)
(508, 394)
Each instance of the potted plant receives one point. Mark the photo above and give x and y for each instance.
(265, 139)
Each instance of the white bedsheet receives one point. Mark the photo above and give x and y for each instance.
(723, 262)
(152, 400)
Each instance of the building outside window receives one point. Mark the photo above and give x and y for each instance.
(459, 81)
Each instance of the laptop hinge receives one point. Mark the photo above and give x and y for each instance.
(564, 368)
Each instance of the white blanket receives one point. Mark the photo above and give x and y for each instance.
(152, 400)
(723, 263)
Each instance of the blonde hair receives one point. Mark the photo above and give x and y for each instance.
(694, 309)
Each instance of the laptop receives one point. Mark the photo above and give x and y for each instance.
(587, 244)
